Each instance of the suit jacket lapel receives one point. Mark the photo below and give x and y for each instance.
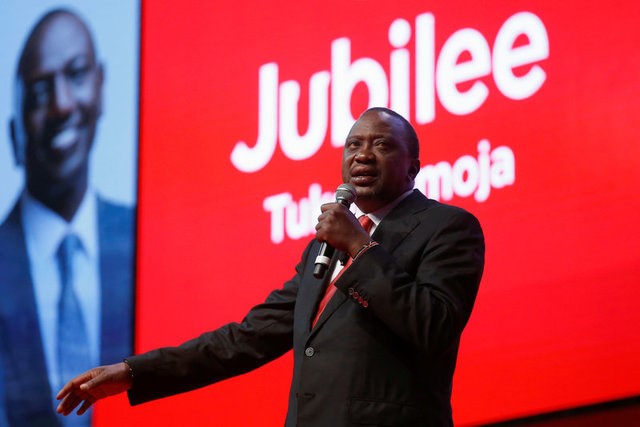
(400, 222)
(312, 291)
(336, 301)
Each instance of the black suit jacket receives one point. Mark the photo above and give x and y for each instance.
(384, 349)
(24, 383)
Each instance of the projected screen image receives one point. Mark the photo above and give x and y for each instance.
(68, 189)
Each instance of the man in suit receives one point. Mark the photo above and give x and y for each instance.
(382, 351)
(66, 254)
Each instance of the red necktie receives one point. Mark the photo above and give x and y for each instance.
(366, 223)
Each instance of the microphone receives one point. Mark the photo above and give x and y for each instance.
(345, 194)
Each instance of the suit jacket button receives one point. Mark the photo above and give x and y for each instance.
(309, 351)
(351, 291)
(355, 295)
(365, 303)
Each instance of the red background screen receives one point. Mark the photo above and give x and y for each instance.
(556, 320)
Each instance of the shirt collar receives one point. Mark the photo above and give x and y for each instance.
(45, 229)
(378, 215)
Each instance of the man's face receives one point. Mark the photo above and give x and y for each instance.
(59, 103)
(376, 160)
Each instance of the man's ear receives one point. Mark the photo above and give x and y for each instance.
(99, 84)
(18, 152)
(414, 168)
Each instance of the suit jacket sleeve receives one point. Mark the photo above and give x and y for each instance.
(263, 335)
(422, 284)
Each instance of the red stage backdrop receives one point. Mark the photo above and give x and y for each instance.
(528, 117)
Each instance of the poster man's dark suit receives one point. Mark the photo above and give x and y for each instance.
(27, 392)
(384, 349)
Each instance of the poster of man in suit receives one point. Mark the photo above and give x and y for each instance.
(68, 199)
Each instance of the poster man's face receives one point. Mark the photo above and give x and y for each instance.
(59, 102)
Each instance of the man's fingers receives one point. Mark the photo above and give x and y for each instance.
(64, 391)
(76, 392)
(76, 382)
(91, 386)
(68, 404)
(85, 405)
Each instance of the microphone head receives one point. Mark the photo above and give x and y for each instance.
(346, 194)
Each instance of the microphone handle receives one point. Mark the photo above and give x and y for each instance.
(323, 261)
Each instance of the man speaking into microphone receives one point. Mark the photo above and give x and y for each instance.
(375, 340)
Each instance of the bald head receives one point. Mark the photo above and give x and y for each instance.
(57, 105)
(49, 33)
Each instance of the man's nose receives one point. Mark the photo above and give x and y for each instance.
(63, 100)
(364, 154)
